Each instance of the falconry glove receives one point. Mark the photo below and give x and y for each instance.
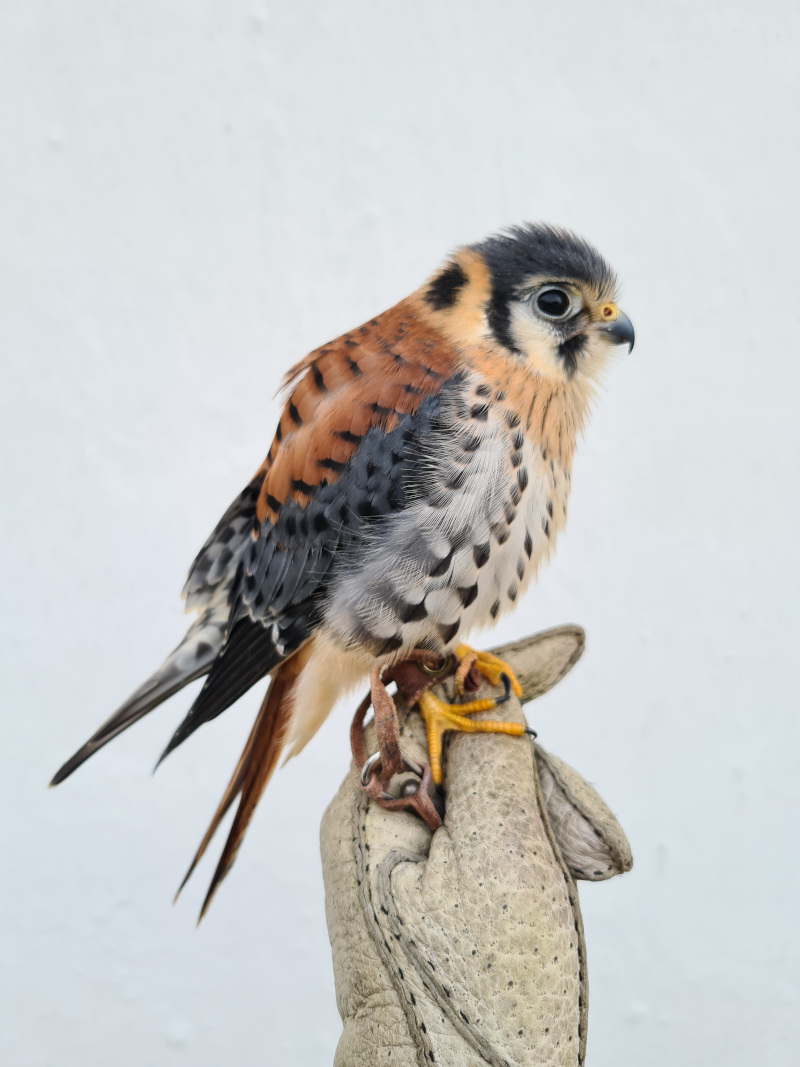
(465, 946)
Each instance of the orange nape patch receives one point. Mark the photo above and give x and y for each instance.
(369, 377)
(463, 319)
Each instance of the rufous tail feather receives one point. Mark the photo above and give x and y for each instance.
(253, 771)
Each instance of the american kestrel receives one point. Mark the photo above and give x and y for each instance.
(418, 476)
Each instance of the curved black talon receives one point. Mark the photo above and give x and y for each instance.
(465, 698)
(507, 686)
(531, 733)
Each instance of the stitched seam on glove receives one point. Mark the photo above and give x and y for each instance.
(417, 1028)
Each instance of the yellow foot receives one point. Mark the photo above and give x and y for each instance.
(440, 717)
(492, 669)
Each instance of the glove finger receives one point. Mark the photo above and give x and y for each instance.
(542, 660)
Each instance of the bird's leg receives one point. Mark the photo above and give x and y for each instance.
(387, 728)
(440, 717)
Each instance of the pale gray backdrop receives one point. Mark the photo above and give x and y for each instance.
(192, 195)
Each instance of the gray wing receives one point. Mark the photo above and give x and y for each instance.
(208, 590)
(287, 571)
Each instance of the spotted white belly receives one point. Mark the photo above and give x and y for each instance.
(485, 506)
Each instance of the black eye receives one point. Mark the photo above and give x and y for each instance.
(554, 303)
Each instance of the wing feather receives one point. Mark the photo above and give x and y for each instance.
(261, 578)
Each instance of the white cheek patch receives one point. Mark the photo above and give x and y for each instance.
(537, 341)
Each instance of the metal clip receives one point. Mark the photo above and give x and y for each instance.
(373, 760)
(415, 796)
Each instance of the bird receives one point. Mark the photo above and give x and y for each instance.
(417, 479)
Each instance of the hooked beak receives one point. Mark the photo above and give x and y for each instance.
(619, 331)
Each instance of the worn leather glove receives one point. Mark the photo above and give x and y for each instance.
(465, 946)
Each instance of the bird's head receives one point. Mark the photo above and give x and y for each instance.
(541, 294)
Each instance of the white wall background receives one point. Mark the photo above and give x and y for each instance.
(192, 195)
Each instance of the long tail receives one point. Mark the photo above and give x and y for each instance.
(192, 659)
(253, 770)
